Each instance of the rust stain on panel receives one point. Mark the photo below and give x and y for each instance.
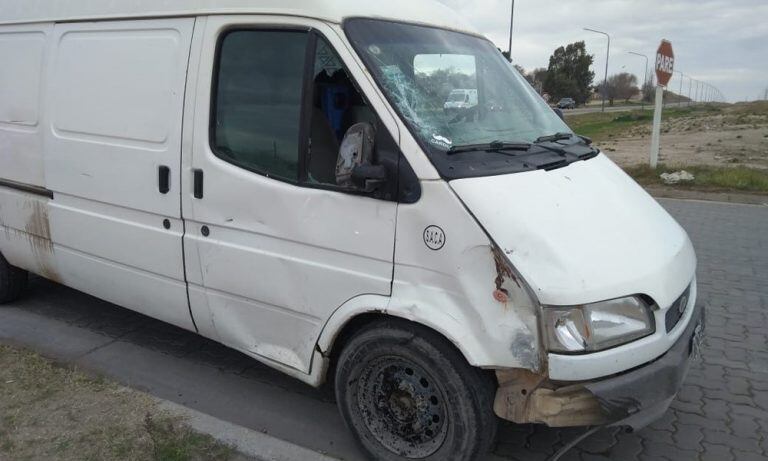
(38, 235)
(38, 224)
(503, 270)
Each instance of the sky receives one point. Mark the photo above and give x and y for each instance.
(723, 43)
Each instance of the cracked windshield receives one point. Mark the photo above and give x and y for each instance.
(453, 90)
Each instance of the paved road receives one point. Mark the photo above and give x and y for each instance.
(593, 109)
(720, 414)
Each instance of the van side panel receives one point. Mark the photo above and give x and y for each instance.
(22, 62)
(112, 115)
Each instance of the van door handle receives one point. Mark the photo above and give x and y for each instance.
(164, 179)
(198, 183)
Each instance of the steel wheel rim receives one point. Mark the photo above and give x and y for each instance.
(403, 407)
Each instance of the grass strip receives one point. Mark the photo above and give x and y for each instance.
(707, 178)
(48, 411)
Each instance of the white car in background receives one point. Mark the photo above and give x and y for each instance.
(461, 99)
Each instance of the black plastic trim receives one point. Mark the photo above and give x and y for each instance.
(163, 179)
(29, 188)
(198, 179)
(307, 93)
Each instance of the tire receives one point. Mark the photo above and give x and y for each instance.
(12, 281)
(406, 393)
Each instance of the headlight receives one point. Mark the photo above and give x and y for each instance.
(599, 326)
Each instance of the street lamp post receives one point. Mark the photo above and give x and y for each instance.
(511, 29)
(645, 77)
(607, 57)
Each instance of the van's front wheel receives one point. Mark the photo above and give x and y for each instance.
(408, 394)
(12, 281)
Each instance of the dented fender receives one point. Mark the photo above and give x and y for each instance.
(464, 288)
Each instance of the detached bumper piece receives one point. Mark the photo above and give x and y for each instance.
(633, 399)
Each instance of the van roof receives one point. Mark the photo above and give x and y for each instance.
(428, 12)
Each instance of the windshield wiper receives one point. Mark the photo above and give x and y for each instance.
(554, 137)
(495, 146)
(583, 149)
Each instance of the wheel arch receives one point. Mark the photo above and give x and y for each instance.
(365, 311)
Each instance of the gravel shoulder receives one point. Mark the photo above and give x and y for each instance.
(723, 136)
(725, 146)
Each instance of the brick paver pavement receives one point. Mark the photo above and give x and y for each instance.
(721, 412)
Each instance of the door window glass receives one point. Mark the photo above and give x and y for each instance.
(258, 98)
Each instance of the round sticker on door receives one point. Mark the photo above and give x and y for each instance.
(434, 238)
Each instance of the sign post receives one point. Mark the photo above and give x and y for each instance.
(665, 65)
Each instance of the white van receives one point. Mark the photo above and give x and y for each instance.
(461, 100)
(280, 176)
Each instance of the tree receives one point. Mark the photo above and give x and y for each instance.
(535, 77)
(439, 83)
(620, 86)
(569, 74)
(538, 76)
(649, 91)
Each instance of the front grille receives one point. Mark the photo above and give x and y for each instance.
(677, 309)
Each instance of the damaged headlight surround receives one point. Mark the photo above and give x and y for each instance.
(599, 326)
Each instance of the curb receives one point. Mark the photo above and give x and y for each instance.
(250, 443)
(247, 442)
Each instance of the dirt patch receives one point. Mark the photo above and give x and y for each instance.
(734, 135)
(51, 412)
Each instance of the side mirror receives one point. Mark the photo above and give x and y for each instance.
(559, 113)
(368, 178)
(356, 151)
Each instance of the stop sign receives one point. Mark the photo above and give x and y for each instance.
(665, 63)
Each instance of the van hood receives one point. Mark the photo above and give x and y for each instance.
(583, 233)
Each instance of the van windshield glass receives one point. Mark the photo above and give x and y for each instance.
(453, 90)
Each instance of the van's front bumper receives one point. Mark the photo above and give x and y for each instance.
(633, 399)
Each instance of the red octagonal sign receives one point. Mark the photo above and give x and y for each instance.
(665, 63)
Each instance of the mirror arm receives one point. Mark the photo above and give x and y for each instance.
(369, 178)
